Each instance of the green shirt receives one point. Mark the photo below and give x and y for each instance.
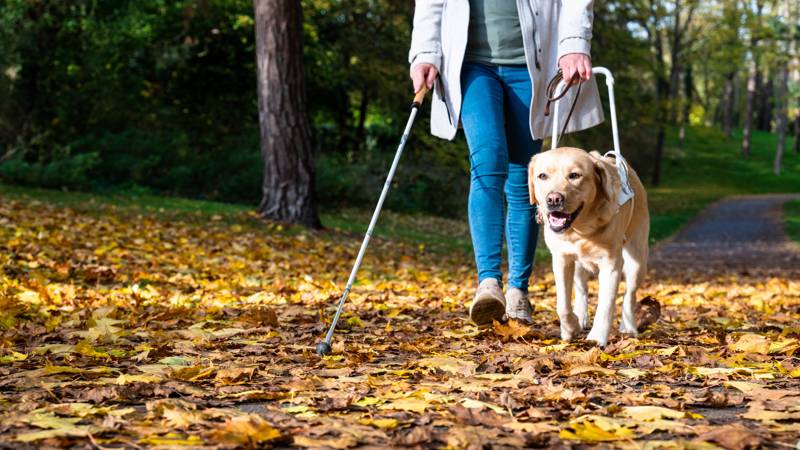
(495, 36)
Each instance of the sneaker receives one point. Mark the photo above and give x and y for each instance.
(488, 304)
(517, 305)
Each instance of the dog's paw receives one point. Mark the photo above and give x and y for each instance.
(583, 320)
(598, 336)
(628, 330)
(570, 326)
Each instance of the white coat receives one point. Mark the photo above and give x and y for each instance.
(550, 29)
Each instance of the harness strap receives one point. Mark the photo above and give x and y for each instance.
(552, 97)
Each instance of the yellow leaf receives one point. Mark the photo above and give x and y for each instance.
(85, 348)
(343, 441)
(580, 370)
(249, 430)
(13, 357)
(512, 330)
(784, 346)
(192, 373)
(383, 424)
(649, 413)
(451, 365)
(751, 343)
(495, 376)
(477, 404)
(632, 373)
(138, 378)
(589, 432)
(406, 404)
(369, 401)
(178, 418)
(172, 439)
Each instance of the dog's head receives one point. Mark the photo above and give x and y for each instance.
(571, 186)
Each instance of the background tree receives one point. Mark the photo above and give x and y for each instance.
(288, 187)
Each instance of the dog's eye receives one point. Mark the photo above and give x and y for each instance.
(542, 176)
(574, 176)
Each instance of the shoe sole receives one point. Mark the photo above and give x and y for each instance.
(487, 309)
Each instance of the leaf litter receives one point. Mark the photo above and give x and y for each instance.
(124, 329)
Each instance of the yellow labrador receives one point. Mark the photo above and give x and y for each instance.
(587, 232)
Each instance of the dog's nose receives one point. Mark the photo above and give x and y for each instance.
(555, 201)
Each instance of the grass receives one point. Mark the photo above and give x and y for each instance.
(791, 219)
(709, 168)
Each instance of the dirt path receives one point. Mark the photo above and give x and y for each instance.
(736, 236)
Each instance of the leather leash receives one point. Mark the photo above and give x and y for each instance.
(552, 97)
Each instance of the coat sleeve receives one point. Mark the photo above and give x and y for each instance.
(575, 27)
(426, 42)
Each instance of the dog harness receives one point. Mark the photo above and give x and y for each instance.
(626, 192)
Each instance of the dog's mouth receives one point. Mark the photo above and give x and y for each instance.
(560, 221)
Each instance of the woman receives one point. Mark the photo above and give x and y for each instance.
(489, 62)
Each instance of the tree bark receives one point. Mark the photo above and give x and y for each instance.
(727, 111)
(688, 85)
(766, 90)
(783, 119)
(662, 91)
(288, 185)
(749, 103)
(797, 131)
(747, 126)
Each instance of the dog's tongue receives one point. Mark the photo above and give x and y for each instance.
(557, 219)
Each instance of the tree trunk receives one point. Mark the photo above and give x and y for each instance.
(797, 131)
(765, 103)
(662, 91)
(727, 111)
(362, 117)
(675, 66)
(783, 103)
(688, 84)
(749, 102)
(288, 185)
(747, 126)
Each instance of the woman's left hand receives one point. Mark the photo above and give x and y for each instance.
(575, 63)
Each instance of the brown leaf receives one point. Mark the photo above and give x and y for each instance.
(249, 431)
(512, 330)
(415, 436)
(648, 313)
(732, 437)
(475, 416)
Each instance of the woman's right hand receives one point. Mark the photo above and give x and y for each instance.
(423, 73)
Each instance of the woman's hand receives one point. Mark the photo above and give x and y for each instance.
(575, 63)
(423, 73)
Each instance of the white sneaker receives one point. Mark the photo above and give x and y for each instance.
(488, 304)
(517, 305)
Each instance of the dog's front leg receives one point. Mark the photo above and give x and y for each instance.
(563, 271)
(607, 295)
(581, 304)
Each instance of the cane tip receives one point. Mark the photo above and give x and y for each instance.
(323, 348)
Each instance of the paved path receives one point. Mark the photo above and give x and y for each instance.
(736, 236)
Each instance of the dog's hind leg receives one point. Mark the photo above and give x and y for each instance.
(610, 273)
(635, 269)
(581, 303)
(563, 271)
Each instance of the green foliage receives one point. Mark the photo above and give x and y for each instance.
(710, 168)
(158, 96)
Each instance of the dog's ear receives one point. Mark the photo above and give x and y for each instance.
(609, 186)
(531, 189)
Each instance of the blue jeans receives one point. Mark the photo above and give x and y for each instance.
(495, 117)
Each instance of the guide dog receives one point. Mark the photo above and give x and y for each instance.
(588, 232)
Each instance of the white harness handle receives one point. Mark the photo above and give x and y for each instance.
(622, 165)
